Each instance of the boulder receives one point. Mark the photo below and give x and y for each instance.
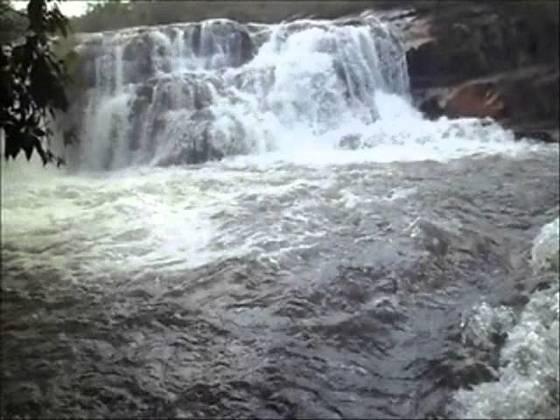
(502, 97)
(137, 55)
(488, 59)
(350, 142)
(209, 38)
(197, 143)
(545, 251)
(474, 100)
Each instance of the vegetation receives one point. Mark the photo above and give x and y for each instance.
(112, 14)
(115, 14)
(32, 77)
(12, 23)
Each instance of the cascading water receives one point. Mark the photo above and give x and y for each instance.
(326, 267)
(196, 92)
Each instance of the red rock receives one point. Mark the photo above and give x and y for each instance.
(474, 100)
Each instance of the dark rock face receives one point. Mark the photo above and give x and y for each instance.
(472, 99)
(486, 59)
(230, 35)
(138, 58)
(475, 100)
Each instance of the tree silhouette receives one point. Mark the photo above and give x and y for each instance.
(32, 80)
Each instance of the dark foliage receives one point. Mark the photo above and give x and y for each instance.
(12, 23)
(32, 82)
(114, 14)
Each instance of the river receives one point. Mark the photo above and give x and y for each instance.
(306, 279)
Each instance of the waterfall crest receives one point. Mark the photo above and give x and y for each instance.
(193, 92)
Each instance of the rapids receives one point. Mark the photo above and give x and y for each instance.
(344, 258)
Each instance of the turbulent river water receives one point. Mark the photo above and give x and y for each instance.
(307, 278)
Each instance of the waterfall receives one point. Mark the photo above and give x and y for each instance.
(193, 92)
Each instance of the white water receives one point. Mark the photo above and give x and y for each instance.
(527, 385)
(308, 86)
(290, 108)
(545, 252)
(529, 374)
(281, 129)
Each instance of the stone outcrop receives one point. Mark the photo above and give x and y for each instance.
(496, 59)
(477, 100)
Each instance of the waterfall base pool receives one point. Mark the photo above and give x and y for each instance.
(272, 290)
(257, 223)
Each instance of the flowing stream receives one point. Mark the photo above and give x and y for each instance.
(258, 223)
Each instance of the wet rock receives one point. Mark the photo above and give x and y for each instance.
(209, 38)
(202, 93)
(88, 52)
(455, 49)
(537, 133)
(199, 141)
(138, 54)
(350, 142)
(435, 239)
(468, 41)
(431, 107)
(474, 100)
(255, 80)
(145, 91)
(545, 255)
(86, 70)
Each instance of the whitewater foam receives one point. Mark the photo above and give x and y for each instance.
(545, 252)
(286, 92)
(527, 384)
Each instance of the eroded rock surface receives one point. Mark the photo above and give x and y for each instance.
(485, 59)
